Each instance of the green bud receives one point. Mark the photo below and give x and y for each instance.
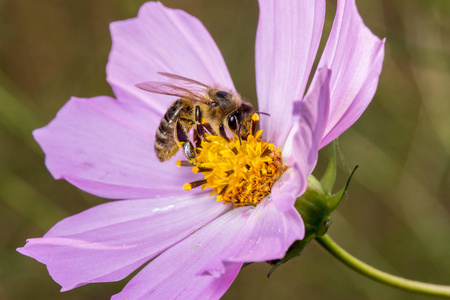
(314, 209)
(315, 206)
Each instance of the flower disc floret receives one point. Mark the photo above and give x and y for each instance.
(239, 172)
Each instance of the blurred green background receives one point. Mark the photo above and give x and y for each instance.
(396, 215)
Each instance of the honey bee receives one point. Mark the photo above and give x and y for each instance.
(200, 106)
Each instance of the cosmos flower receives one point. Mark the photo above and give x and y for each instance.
(104, 146)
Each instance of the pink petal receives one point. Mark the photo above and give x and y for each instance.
(289, 187)
(266, 235)
(109, 241)
(218, 249)
(286, 44)
(105, 147)
(302, 145)
(175, 273)
(161, 39)
(355, 55)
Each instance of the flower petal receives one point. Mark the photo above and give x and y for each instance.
(301, 148)
(266, 235)
(109, 241)
(286, 44)
(105, 147)
(355, 55)
(175, 273)
(161, 39)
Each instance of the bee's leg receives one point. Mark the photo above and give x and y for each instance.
(197, 139)
(209, 128)
(198, 121)
(184, 141)
(254, 123)
(223, 133)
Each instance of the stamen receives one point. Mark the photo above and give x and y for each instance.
(265, 153)
(241, 174)
(229, 172)
(184, 163)
(193, 185)
(224, 190)
(255, 121)
(200, 169)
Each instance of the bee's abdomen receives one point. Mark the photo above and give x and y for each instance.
(165, 143)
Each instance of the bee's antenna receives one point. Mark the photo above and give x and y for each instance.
(262, 113)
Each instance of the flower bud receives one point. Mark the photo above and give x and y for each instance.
(315, 206)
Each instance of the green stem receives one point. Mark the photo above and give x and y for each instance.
(380, 276)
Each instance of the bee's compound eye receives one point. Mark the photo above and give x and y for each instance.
(232, 122)
(221, 95)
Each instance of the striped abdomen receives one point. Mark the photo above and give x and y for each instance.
(165, 142)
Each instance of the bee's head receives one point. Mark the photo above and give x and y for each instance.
(239, 121)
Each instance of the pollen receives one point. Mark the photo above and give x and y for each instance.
(241, 173)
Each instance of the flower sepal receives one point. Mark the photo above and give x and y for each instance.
(315, 206)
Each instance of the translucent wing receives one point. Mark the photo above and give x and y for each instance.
(185, 79)
(179, 86)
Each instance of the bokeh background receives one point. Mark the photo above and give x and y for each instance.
(396, 215)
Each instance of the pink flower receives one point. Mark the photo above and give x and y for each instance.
(105, 147)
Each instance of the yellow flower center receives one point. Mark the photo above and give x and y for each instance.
(242, 174)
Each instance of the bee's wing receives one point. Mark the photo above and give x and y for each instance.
(185, 79)
(179, 86)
